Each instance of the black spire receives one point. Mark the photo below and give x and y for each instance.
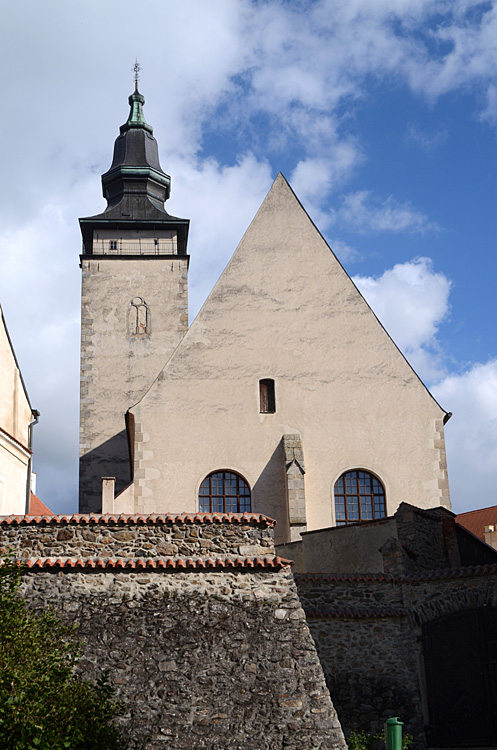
(135, 186)
(135, 181)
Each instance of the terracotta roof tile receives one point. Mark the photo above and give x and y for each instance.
(155, 518)
(428, 575)
(38, 508)
(476, 520)
(154, 564)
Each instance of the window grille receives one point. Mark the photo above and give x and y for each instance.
(359, 497)
(224, 492)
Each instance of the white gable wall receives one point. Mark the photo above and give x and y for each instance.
(15, 416)
(285, 309)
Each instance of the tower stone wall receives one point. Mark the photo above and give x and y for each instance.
(134, 314)
(134, 309)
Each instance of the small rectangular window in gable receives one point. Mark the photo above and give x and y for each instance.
(267, 400)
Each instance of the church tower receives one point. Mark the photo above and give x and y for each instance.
(134, 308)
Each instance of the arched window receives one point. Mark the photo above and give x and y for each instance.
(224, 492)
(138, 317)
(359, 496)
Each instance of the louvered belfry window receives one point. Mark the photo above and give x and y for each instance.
(359, 496)
(224, 492)
(267, 399)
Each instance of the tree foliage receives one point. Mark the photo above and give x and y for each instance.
(44, 703)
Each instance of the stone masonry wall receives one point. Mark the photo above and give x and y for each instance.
(219, 660)
(367, 629)
(412, 541)
(367, 650)
(421, 533)
(157, 536)
(117, 367)
(207, 652)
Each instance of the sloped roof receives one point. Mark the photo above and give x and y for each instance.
(11, 437)
(476, 520)
(38, 508)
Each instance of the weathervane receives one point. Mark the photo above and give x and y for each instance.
(136, 70)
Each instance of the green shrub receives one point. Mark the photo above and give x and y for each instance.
(364, 741)
(44, 703)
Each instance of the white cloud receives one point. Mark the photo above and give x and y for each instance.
(300, 68)
(363, 213)
(427, 141)
(471, 435)
(411, 300)
(40, 296)
(314, 177)
(489, 113)
(344, 252)
(310, 178)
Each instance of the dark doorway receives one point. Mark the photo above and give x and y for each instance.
(460, 653)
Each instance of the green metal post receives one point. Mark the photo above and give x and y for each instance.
(393, 733)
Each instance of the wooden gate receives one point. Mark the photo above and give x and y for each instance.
(460, 654)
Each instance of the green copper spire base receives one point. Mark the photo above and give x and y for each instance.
(136, 117)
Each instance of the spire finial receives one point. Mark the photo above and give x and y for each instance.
(136, 102)
(136, 70)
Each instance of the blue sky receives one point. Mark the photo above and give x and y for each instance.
(382, 115)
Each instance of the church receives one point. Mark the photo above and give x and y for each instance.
(285, 399)
(285, 396)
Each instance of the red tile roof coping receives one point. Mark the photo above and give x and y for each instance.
(98, 518)
(428, 575)
(155, 564)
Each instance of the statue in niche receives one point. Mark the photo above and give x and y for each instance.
(138, 317)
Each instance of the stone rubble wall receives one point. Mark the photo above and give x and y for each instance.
(431, 539)
(367, 630)
(150, 537)
(425, 545)
(367, 650)
(203, 659)
(218, 660)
